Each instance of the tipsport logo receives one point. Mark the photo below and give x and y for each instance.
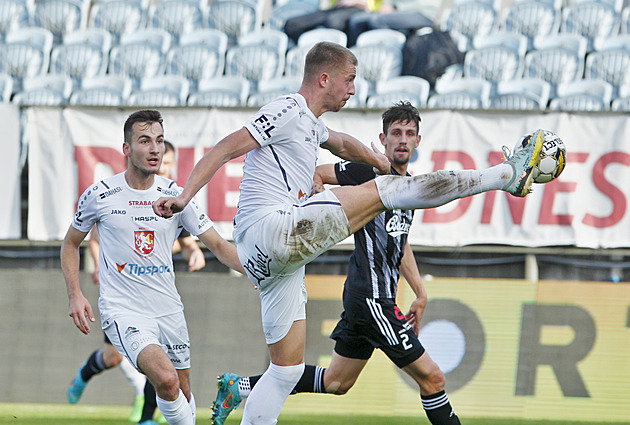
(140, 270)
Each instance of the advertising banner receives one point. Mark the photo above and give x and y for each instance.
(509, 348)
(587, 206)
(10, 217)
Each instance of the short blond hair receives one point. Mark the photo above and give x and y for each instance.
(327, 57)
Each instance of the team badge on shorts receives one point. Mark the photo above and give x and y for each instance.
(144, 241)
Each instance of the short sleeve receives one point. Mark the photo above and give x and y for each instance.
(195, 220)
(87, 210)
(352, 174)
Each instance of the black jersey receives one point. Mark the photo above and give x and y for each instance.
(379, 246)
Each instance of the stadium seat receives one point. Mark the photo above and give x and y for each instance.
(221, 92)
(176, 17)
(582, 95)
(234, 17)
(521, 94)
(377, 63)
(532, 18)
(590, 19)
(281, 12)
(106, 90)
(25, 54)
(496, 57)
(45, 90)
(254, 62)
(467, 19)
(83, 53)
(465, 93)
(610, 62)
(118, 17)
(407, 87)
(310, 38)
(556, 59)
(268, 90)
(382, 36)
(164, 90)
(140, 55)
(200, 55)
(14, 14)
(61, 16)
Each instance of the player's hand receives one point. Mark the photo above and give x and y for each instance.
(384, 166)
(81, 312)
(415, 313)
(167, 206)
(197, 261)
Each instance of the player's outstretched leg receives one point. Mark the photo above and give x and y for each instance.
(431, 190)
(75, 390)
(228, 398)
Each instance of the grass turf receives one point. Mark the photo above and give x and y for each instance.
(62, 414)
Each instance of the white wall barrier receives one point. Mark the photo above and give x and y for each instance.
(586, 207)
(10, 218)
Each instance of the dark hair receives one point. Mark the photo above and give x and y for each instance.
(402, 111)
(168, 147)
(326, 57)
(147, 115)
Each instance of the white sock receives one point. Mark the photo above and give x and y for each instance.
(244, 387)
(193, 407)
(176, 412)
(435, 189)
(268, 396)
(135, 378)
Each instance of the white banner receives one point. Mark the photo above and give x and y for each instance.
(586, 207)
(10, 217)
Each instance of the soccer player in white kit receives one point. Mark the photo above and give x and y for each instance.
(278, 229)
(141, 311)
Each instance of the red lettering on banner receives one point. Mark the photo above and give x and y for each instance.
(219, 186)
(88, 156)
(607, 188)
(185, 164)
(546, 215)
(440, 158)
(515, 205)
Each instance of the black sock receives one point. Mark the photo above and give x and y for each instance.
(150, 403)
(439, 410)
(312, 380)
(94, 365)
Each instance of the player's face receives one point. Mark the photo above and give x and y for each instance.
(168, 165)
(401, 140)
(146, 148)
(340, 87)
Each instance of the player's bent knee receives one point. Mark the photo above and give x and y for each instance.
(167, 386)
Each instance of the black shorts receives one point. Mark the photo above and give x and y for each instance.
(368, 323)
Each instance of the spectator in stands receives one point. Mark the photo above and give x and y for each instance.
(335, 17)
(399, 15)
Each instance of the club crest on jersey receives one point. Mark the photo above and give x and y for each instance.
(144, 241)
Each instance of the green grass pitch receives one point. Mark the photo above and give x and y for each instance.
(61, 414)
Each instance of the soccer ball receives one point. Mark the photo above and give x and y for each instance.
(553, 157)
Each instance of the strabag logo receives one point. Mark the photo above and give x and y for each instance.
(144, 241)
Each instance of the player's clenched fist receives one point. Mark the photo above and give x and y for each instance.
(167, 206)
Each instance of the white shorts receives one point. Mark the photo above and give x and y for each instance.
(275, 249)
(131, 333)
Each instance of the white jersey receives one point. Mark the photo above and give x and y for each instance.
(136, 246)
(280, 171)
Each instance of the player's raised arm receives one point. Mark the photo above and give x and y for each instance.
(232, 146)
(79, 307)
(351, 149)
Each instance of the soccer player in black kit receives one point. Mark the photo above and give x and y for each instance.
(371, 319)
